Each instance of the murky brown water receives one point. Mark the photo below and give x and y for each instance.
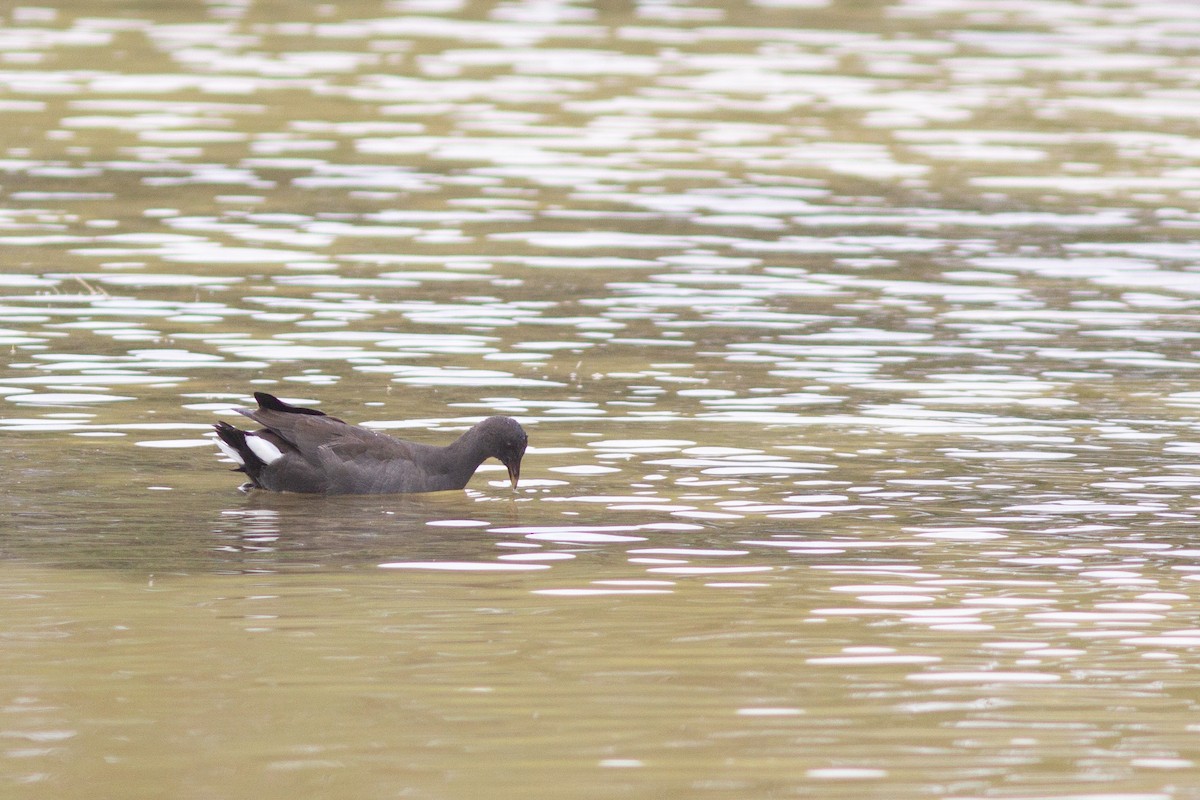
(857, 343)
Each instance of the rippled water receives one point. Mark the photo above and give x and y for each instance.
(856, 342)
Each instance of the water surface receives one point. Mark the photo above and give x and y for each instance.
(856, 344)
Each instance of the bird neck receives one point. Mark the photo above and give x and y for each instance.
(466, 452)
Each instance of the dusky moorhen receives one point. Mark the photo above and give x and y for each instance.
(305, 450)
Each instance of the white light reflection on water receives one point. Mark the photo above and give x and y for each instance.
(856, 343)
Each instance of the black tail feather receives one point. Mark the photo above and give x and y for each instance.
(269, 402)
(235, 438)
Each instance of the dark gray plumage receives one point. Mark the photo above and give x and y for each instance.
(305, 450)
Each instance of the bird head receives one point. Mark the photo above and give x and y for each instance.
(507, 441)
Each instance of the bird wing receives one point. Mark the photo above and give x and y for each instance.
(343, 458)
(366, 462)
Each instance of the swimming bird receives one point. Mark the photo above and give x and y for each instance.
(305, 450)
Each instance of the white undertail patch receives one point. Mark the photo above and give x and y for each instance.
(266, 452)
(231, 453)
